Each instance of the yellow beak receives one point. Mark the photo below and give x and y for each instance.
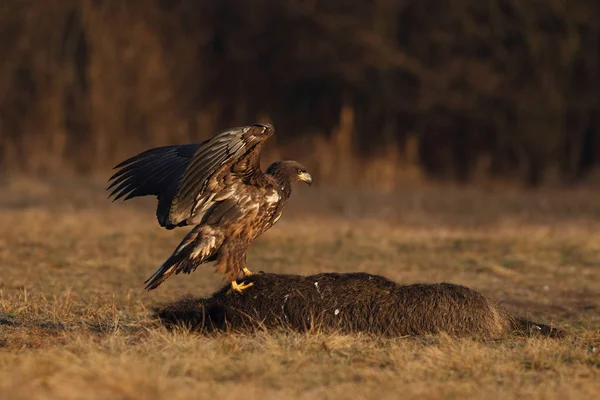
(305, 177)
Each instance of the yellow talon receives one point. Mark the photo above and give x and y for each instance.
(247, 272)
(235, 287)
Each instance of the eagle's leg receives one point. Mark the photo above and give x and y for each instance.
(235, 262)
(239, 287)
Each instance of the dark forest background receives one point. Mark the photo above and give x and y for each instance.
(370, 92)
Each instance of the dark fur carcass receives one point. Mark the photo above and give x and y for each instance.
(352, 302)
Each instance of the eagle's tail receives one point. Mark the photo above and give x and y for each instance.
(160, 275)
(199, 246)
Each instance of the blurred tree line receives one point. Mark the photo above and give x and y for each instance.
(496, 88)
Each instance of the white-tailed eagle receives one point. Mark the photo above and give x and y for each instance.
(216, 185)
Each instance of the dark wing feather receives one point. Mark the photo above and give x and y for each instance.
(155, 172)
(149, 172)
(220, 169)
(189, 179)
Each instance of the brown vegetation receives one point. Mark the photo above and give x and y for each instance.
(76, 323)
(368, 92)
(349, 303)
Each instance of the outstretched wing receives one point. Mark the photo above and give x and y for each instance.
(189, 179)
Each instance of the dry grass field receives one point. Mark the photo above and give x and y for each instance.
(75, 322)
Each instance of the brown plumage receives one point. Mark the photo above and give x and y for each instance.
(216, 185)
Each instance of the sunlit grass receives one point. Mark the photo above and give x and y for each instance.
(75, 321)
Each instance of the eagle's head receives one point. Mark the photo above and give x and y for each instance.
(290, 171)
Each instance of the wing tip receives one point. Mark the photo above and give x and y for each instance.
(265, 125)
(267, 129)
